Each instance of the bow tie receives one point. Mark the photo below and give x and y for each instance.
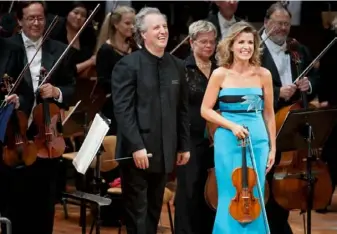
(227, 24)
(30, 44)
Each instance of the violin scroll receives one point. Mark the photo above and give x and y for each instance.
(292, 48)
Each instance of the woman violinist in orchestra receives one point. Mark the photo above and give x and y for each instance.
(114, 42)
(245, 95)
(192, 215)
(84, 46)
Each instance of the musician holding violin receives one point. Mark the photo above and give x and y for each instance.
(285, 58)
(32, 188)
(244, 144)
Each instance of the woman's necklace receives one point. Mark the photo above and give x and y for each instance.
(202, 65)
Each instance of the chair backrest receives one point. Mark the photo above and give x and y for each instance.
(107, 157)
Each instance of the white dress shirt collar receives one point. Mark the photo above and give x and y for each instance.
(225, 24)
(28, 42)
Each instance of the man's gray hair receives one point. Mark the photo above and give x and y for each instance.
(140, 26)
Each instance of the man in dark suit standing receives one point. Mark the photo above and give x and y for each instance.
(33, 188)
(280, 62)
(150, 97)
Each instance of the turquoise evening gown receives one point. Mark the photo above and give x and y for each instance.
(243, 106)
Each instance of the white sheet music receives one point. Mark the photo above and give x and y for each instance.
(91, 144)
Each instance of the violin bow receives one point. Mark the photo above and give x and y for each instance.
(311, 65)
(69, 45)
(19, 78)
(252, 157)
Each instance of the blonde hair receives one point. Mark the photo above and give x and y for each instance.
(224, 54)
(108, 29)
(201, 26)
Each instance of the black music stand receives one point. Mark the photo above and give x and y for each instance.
(306, 129)
(79, 122)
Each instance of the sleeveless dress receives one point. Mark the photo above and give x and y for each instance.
(243, 106)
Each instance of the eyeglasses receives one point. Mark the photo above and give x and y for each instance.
(32, 19)
(205, 42)
(280, 23)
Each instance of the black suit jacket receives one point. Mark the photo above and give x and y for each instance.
(63, 76)
(313, 76)
(214, 19)
(150, 97)
(10, 59)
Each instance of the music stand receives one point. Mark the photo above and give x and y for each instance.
(306, 129)
(78, 124)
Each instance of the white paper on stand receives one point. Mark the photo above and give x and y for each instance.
(99, 128)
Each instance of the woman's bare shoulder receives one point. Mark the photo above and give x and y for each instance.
(264, 73)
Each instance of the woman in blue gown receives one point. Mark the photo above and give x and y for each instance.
(245, 94)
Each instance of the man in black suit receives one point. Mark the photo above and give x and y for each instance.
(33, 188)
(10, 64)
(150, 97)
(280, 62)
(224, 18)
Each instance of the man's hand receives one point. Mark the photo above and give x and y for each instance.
(13, 98)
(286, 92)
(182, 158)
(49, 91)
(140, 158)
(303, 84)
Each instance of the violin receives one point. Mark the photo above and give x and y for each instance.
(244, 207)
(47, 117)
(289, 185)
(18, 150)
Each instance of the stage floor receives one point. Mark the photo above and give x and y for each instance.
(321, 223)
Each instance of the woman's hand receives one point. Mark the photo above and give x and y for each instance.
(239, 131)
(271, 161)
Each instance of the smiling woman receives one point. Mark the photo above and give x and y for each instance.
(244, 92)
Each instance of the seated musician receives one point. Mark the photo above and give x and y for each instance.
(33, 188)
(113, 43)
(280, 61)
(191, 212)
(66, 30)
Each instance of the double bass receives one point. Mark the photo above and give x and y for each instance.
(290, 182)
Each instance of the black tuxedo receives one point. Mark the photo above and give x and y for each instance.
(63, 76)
(150, 97)
(10, 58)
(313, 76)
(214, 19)
(10, 63)
(277, 216)
(33, 188)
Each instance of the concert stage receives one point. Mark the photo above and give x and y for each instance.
(321, 223)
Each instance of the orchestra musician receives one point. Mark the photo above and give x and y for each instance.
(192, 215)
(66, 29)
(112, 45)
(245, 94)
(10, 63)
(150, 97)
(225, 17)
(32, 189)
(277, 59)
